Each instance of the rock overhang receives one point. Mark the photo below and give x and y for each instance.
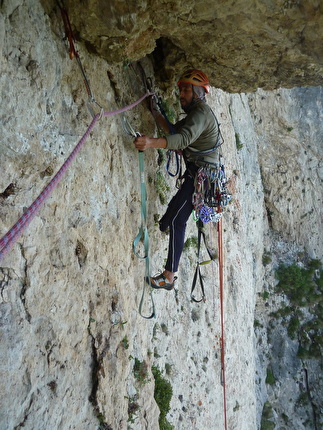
(242, 45)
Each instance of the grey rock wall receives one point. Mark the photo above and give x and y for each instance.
(71, 285)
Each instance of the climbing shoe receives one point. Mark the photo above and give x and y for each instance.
(160, 281)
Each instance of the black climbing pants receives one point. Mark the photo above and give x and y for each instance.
(175, 218)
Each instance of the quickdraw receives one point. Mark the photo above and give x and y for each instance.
(210, 195)
(209, 199)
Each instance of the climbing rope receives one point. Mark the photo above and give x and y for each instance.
(222, 321)
(209, 198)
(14, 233)
(222, 339)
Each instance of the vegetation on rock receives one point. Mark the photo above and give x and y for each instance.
(303, 286)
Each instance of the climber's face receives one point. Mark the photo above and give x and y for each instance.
(185, 95)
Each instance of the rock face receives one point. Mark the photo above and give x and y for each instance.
(72, 339)
(242, 45)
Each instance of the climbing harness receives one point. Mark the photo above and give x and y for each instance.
(73, 53)
(143, 231)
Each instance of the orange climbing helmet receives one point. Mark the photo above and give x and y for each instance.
(195, 77)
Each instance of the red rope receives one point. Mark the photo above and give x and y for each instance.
(221, 279)
(13, 234)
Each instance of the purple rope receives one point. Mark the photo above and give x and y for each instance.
(13, 234)
(124, 109)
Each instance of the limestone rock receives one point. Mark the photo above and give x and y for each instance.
(70, 286)
(242, 45)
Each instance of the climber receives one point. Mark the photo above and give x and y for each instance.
(197, 137)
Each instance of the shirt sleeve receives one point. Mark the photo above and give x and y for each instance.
(187, 131)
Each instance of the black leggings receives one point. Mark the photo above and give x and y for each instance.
(175, 217)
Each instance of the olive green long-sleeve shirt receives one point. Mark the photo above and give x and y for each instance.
(196, 135)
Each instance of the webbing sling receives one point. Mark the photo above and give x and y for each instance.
(198, 275)
(143, 234)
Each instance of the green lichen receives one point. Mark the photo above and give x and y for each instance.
(303, 286)
(161, 187)
(163, 394)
